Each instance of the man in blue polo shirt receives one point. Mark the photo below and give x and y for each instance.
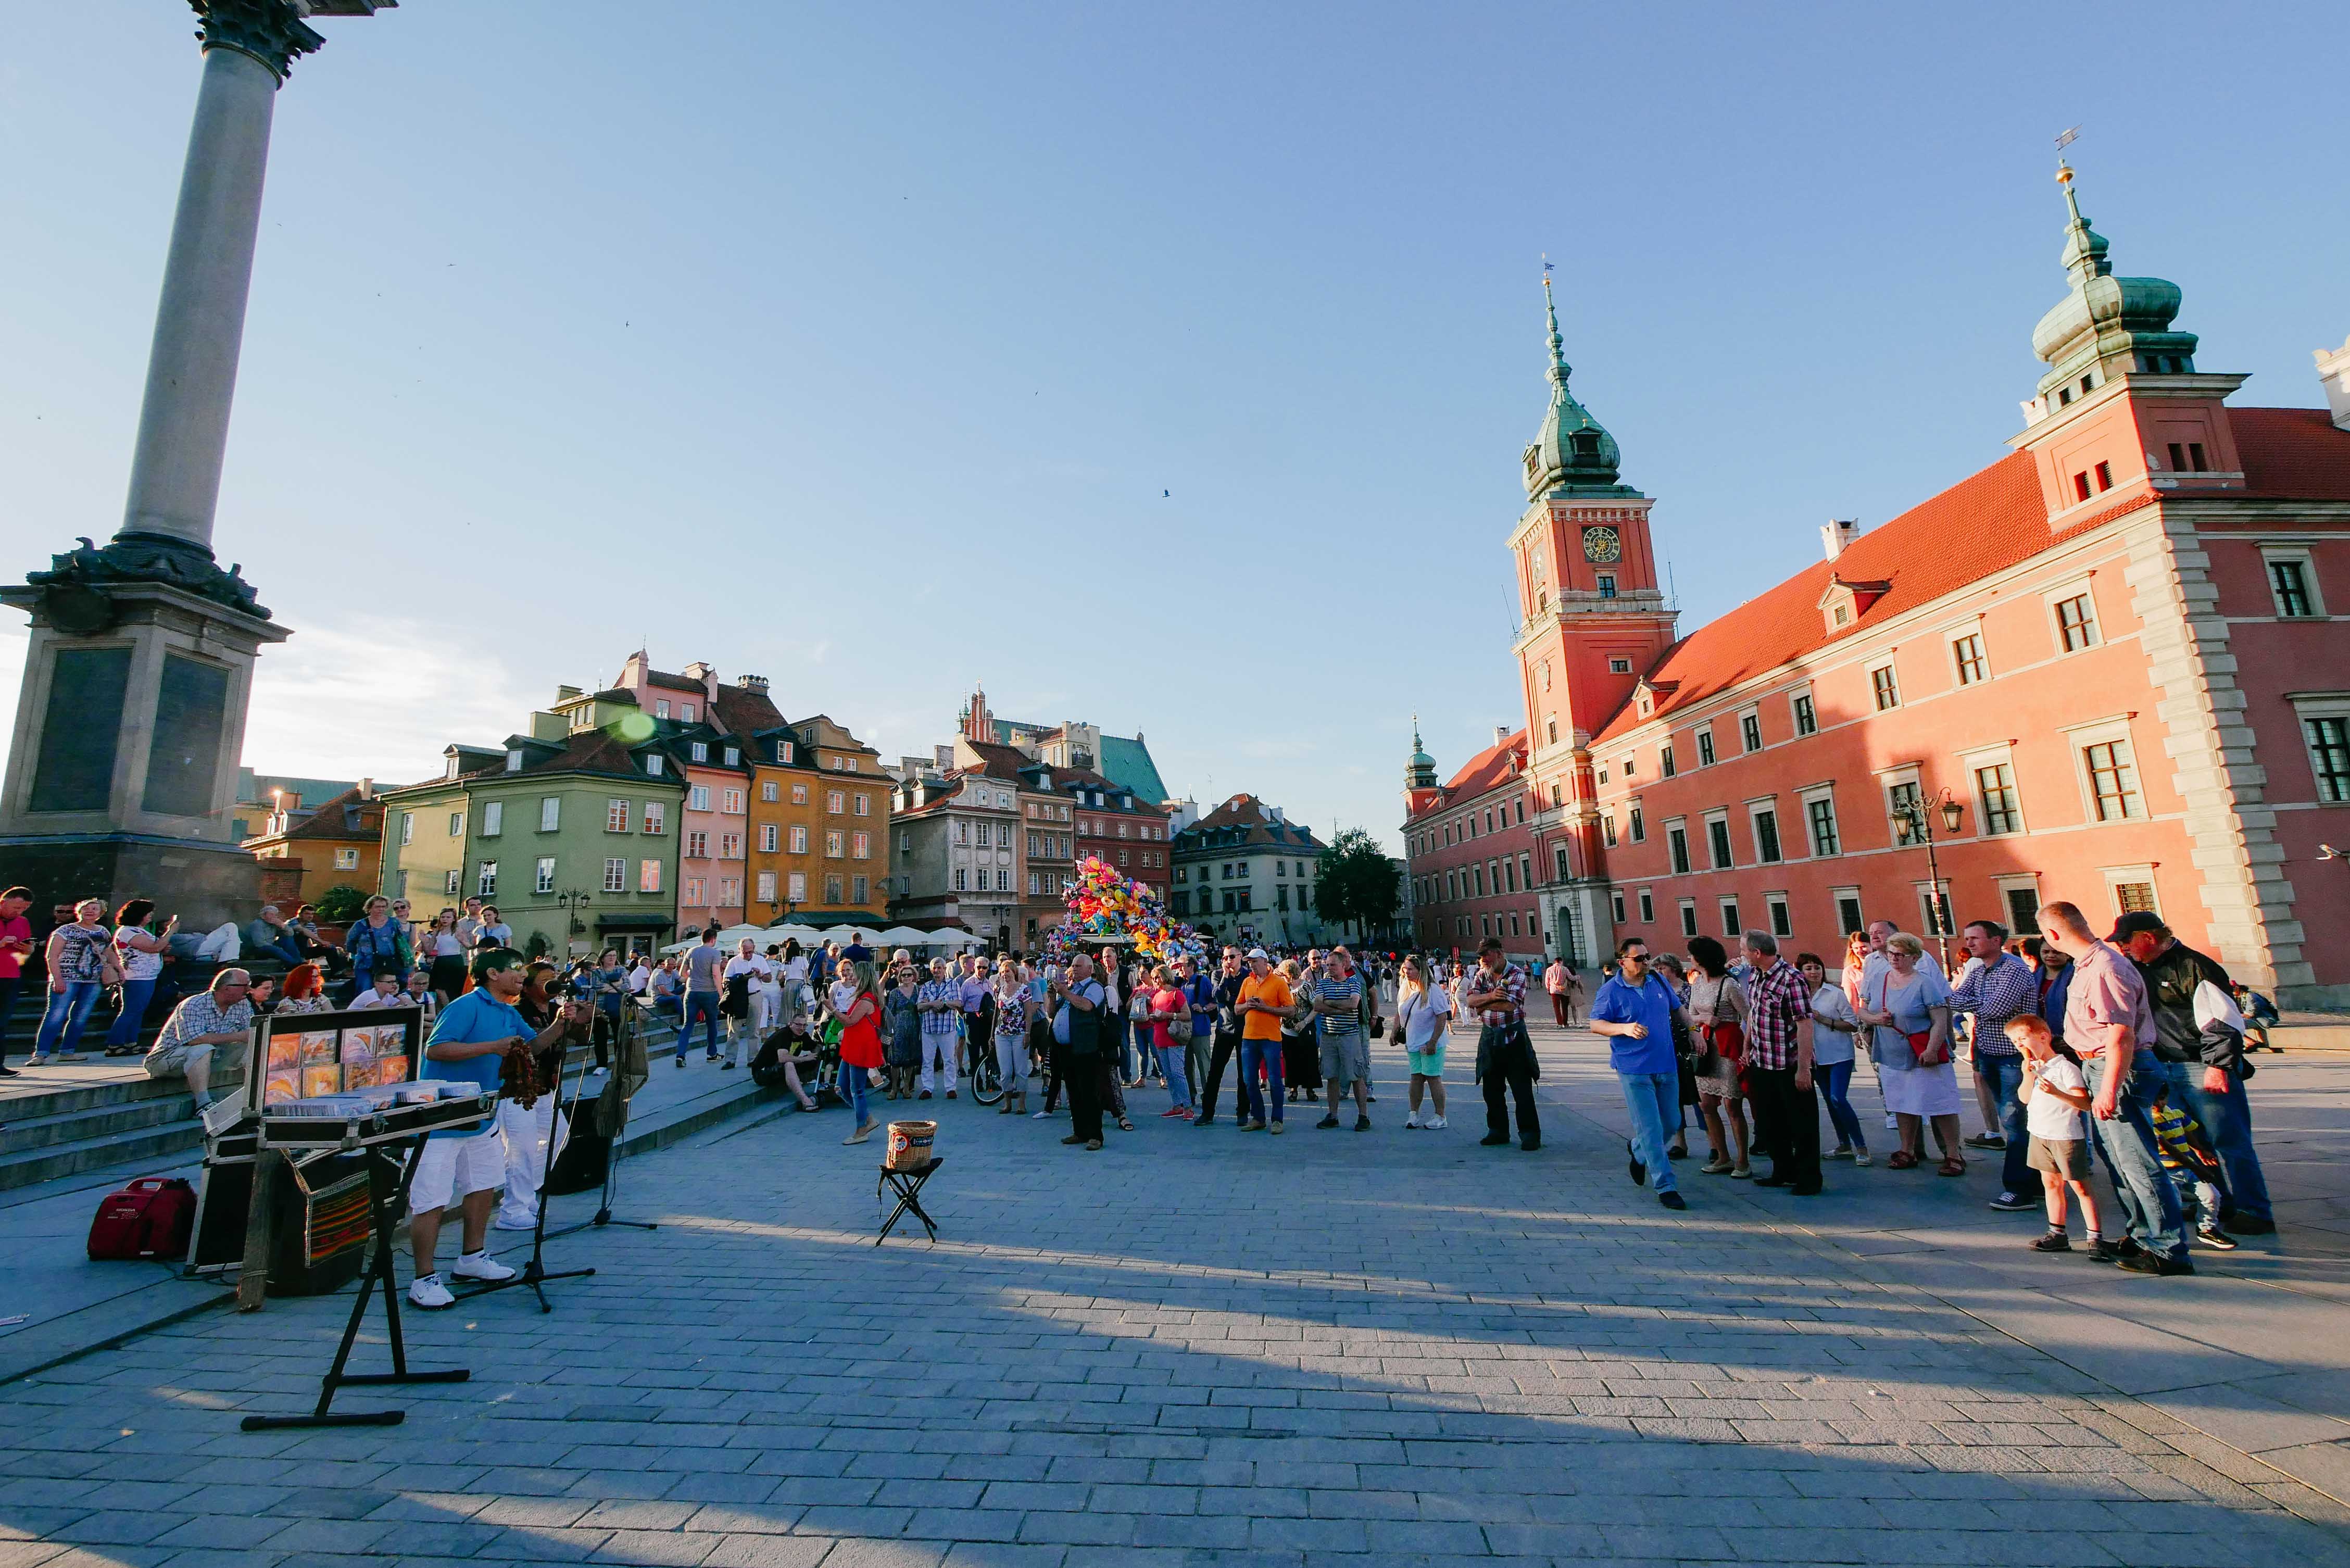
(1635, 1010)
(468, 1044)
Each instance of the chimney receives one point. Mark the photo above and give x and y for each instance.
(705, 673)
(945, 757)
(367, 789)
(752, 683)
(1837, 533)
(1500, 733)
(1275, 812)
(2334, 373)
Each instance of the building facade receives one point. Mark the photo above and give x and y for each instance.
(1246, 872)
(1471, 866)
(569, 830)
(306, 849)
(958, 850)
(2102, 669)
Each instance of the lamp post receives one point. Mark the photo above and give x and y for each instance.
(571, 900)
(1916, 826)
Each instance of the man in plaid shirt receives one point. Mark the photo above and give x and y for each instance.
(1778, 1069)
(1495, 992)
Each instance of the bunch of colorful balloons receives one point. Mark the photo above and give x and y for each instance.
(1107, 906)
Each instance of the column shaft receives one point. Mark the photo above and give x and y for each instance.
(175, 471)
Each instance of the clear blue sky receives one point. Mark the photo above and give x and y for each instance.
(1165, 369)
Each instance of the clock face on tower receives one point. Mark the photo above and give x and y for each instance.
(1602, 545)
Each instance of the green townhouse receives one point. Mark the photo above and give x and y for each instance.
(570, 830)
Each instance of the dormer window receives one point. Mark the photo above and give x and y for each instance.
(783, 750)
(514, 760)
(653, 765)
(733, 757)
(701, 750)
(1845, 600)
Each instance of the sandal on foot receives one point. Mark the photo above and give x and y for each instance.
(1903, 1160)
(1951, 1166)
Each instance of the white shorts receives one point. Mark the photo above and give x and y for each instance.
(453, 1168)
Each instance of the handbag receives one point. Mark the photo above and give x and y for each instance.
(1722, 1040)
(1921, 1044)
(109, 965)
(1399, 1028)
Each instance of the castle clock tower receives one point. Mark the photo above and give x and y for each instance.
(1592, 620)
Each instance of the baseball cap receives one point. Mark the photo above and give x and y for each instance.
(1255, 953)
(2134, 922)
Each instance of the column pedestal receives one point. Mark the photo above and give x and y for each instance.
(130, 726)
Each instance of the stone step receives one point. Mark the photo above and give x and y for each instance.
(21, 1134)
(167, 1144)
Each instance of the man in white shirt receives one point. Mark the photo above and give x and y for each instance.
(752, 971)
(385, 992)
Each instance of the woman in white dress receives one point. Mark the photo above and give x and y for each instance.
(1908, 1010)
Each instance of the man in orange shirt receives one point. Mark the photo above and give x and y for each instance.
(1265, 999)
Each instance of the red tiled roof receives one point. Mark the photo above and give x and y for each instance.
(1489, 769)
(1989, 521)
(1986, 523)
(330, 820)
(662, 678)
(2292, 455)
(999, 761)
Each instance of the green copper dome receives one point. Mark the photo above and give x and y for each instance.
(1420, 773)
(2106, 326)
(1573, 451)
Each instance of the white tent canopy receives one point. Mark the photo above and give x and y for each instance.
(950, 937)
(727, 938)
(904, 937)
(791, 932)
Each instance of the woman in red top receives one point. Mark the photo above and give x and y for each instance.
(860, 1048)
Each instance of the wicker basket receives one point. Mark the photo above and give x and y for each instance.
(910, 1146)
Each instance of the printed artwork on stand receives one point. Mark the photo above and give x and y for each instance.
(308, 1062)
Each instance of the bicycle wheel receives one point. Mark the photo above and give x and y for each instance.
(986, 1078)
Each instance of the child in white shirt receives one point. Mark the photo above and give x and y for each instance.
(2055, 1094)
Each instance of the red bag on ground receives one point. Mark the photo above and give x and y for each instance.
(151, 1218)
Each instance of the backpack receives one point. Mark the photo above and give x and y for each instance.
(151, 1218)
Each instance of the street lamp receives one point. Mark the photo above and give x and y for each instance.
(571, 900)
(1915, 824)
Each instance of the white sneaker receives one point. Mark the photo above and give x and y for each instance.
(1411, 1122)
(428, 1294)
(481, 1266)
(1434, 1124)
(1040, 1116)
(506, 1221)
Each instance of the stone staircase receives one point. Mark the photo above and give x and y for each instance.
(134, 1121)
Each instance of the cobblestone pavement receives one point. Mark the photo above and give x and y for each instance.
(1198, 1346)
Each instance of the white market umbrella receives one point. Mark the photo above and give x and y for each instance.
(950, 937)
(842, 933)
(904, 937)
(792, 931)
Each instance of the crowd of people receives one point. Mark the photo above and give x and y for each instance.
(2131, 1049)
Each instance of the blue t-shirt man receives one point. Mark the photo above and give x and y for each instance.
(1650, 1002)
(473, 1019)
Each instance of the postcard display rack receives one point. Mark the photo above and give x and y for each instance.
(338, 1083)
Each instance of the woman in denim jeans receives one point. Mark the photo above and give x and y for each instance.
(1831, 1057)
(141, 952)
(75, 958)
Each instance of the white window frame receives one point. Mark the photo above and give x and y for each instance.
(1794, 715)
(1721, 815)
(1754, 810)
(1707, 753)
(766, 885)
(1754, 714)
(346, 858)
(2308, 705)
(1887, 782)
(494, 818)
(542, 879)
(796, 887)
(1836, 897)
(1678, 825)
(407, 827)
(1954, 635)
(2115, 875)
(698, 800)
(550, 814)
(2300, 556)
(1804, 799)
(1734, 918)
(648, 875)
(1777, 912)
(2098, 731)
(655, 817)
(1689, 919)
(1926, 917)
(485, 879)
(1647, 907)
(2082, 587)
(616, 817)
(1870, 669)
(2022, 881)
(1992, 756)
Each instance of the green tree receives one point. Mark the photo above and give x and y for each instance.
(341, 904)
(1357, 883)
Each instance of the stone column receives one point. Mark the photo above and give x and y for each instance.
(130, 724)
(175, 468)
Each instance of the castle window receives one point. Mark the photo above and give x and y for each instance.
(1608, 591)
(2081, 485)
